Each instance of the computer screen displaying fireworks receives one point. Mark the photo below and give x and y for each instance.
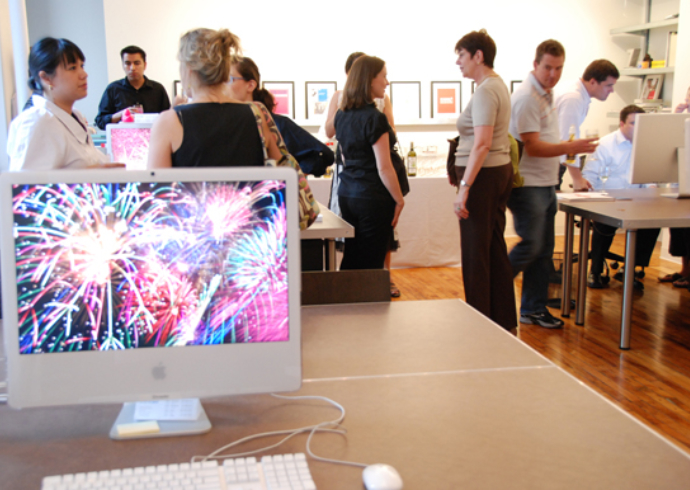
(131, 265)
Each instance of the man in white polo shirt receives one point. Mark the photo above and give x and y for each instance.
(534, 123)
(596, 83)
(609, 168)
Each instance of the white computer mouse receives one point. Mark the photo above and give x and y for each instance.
(381, 477)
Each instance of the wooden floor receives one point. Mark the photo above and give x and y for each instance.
(651, 380)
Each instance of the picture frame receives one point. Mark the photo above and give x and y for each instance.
(651, 87)
(514, 84)
(446, 100)
(284, 96)
(633, 57)
(317, 96)
(177, 88)
(406, 98)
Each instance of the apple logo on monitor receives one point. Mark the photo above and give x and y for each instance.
(158, 372)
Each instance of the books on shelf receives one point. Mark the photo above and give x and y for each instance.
(584, 197)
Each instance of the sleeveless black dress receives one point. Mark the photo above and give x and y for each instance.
(218, 135)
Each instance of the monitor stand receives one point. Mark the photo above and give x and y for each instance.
(683, 177)
(126, 426)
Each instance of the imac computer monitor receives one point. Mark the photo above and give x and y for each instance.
(128, 143)
(126, 286)
(655, 155)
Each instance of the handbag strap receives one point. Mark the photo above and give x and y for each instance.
(259, 125)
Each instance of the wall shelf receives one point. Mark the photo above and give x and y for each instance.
(640, 72)
(641, 29)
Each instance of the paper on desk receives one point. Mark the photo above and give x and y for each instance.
(584, 196)
(183, 409)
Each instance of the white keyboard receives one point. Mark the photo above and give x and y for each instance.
(280, 472)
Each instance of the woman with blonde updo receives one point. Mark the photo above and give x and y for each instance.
(215, 130)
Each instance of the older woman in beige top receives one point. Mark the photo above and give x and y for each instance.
(484, 169)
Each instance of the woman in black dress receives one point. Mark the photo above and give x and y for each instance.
(369, 193)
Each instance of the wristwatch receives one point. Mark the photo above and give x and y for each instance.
(465, 184)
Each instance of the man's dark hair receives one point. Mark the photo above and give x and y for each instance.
(550, 46)
(476, 41)
(600, 70)
(351, 59)
(630, 109)
(133, 50)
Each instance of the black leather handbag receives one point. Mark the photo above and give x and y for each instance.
(450, 162)
(400, 171)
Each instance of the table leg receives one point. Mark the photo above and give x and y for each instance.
(628, 279)
(331, 255)
(567, 281)
(583, 257)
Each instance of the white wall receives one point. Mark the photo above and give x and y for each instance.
(309, 41)
(682, 71)
(81, 22)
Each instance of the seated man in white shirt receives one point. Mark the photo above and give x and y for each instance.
(609, 168)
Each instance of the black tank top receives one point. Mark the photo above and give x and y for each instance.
(218, 135)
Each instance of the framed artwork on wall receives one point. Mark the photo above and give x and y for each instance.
(177, 88)
(651, 87)
(317, 96)
(406, 98)
(284, 96)
(514, 84)
(446, 100)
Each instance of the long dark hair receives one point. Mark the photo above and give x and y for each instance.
(46, 55)
(249, 71)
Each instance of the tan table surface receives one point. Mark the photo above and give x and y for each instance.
(642, 208)
(331, 226)
(430, 387)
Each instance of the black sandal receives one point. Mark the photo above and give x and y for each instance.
(670, 277)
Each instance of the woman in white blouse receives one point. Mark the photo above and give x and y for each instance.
(51, 134)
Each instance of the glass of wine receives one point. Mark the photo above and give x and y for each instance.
(604, 176)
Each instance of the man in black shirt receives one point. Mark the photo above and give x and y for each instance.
(134, 89)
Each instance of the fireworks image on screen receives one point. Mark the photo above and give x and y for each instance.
(132, 265)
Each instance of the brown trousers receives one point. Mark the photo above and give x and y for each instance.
(486, 270)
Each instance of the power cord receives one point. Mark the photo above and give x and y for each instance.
(330, 426)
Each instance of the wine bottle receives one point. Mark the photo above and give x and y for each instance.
(570, 157)
(412, 161)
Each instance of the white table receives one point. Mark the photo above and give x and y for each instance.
(328, 229)
(634, 209)
(428, 229)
